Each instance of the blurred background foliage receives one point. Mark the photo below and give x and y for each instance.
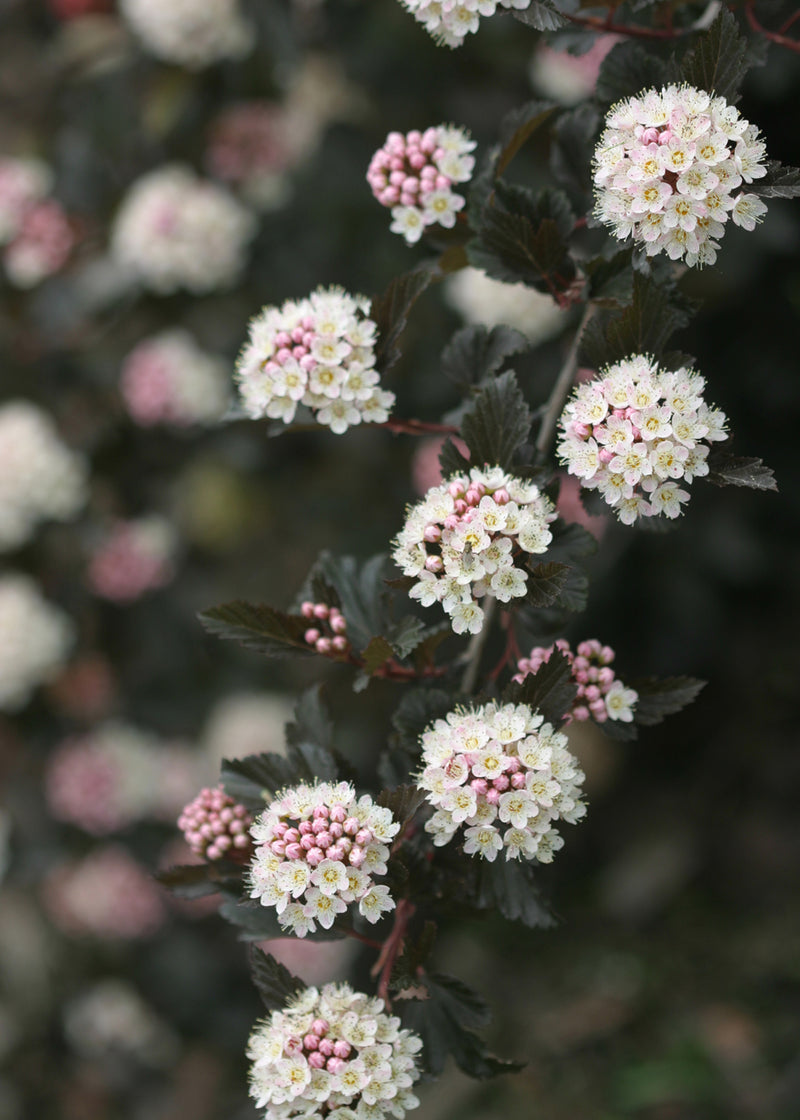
(670, 989)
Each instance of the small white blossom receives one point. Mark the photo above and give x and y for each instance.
(34, 640)
(191, 34)
(450, 21)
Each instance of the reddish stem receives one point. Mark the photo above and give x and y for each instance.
(788, 23)
(608, 26)
(373, 944)
(391, 948)
(773, 36)
(418, 427)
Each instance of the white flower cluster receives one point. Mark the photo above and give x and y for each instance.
(191, 34)
(175, 230)
(495, 766)
(317, 849)
(480, 299)
(414, 175)
(318, 352)
(168, 379)
(40, 477)
(450, 21)
(463, 541)
(667, 169)
(35, 638)
(634, 432)
(335, 1053)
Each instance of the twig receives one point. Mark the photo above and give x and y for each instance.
(773, 36)
(418, 427)
(391, 947)
(555, 402)
(475, 648)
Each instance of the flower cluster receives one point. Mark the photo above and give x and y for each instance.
(500, 765)
(480, 299)
(110, 1019)
(317, 849)
(35, 638)
(318, 352)
(104, 781)
(168, 379)
(462, 540)
(333, 1052)
(193, 35)
(329, 632)
(414, 175)
(214, 825)
(136, 557)
(250, 147)
(635, 431)
(450, 21)
(668, 169)
(39, 476)
(34, 229)
(175, 230)
(601, 696)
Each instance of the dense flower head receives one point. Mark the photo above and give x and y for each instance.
(137, 556)
(335, 1053)
(450, 21)
(191, 34)
(505, 775)
(175, 230)
(216, 826)
(317, 850)
(636, 432)
(168, 379)
(668, 171)
(106, 894)
(414, 175)
(601, 696)
(469, 538)
(35, 638)
(328, 630)
(318, 352)
(40, 477)
(34, 230)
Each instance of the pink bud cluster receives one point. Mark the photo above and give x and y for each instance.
(137, 556)
(216, 826)
(601, 696)
(636, 430)
(168, 379)
(328, 634)
(34, 229)
(251, 146)
(467, 538)
(414, 175)
(317, 848)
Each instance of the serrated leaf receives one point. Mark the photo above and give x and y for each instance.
(732, 470)
(572, 152)
(626, 70)
(256, 779)
(275, 984)
(642, 328)
(497, 423)
(661, 697)
(551, 690)
(417, 710)
(517, 127)
(404, 636)
(545, 583)
(432, 639)
(475, 353)
(375, 654)
(451, 460)
(361, 588)
(259, 627)
(309, 738)
(779, 182)
(542, 15)
(402, 801)
(717, 61)
(416, 952)
(610, 280)
(390, 312)
(571, 542)
(507, 886)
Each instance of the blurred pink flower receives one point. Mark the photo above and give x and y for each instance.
(136, 557)
(425, 469)
(107, 895)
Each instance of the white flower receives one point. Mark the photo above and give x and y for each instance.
(450, 21)
(168, 379)
(620, 701)
(409, 222)
(34, 640)
(665, 169)
(193, 35)
(175, 230)
(517, 778)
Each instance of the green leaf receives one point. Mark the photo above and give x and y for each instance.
(506, 885)
(390, 312)
(610, 280)
(259, 627)
(542, 15)
(642, 328)
(517, 127)
(376, 653)
(417, 710)
(571, 542)
(361, 588)
(497, 423)
(256, 779)
(779, 182)
(731, 470)
(626, 70)
(660, 697)
(717, 61)
(274, 983)
(309, 738)
(405, 635)
(475, 353)
(545, 583)
(551, 690)
(572, 152)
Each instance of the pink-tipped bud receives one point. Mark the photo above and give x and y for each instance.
(480, 785)
(294, 851)
(338, 623)
(311, 1041)
(320, 1027)
(352, 825)
(342, 1049)
(316, 1060)
(323, 645)
(334, 1065)
(356, 856)
(305, 827)
(434, 564)
(307, 609)
(432, 534)
(312, 636)
(321, 610)
(518, 781)
(326, 1047)
(502, 496)
(501, 782)
(340, 643)
(315, 857)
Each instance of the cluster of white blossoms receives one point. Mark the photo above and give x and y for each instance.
(168, 379)
(317, 849)
(333, 1053)
(450, 21)
(481, 299)
(506, 776)
(35, 638)
(668, 169)
(318, 352)
(191, 34)
(175, 230)
(635, 432)
(40, 477)
(464, 539)
(414, 175)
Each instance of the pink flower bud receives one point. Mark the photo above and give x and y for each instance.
(315, 857)
(320, 1027)
(323, 645)
(316, 1060)
(333, 1065)
(342, 1049)
(326, 1047)
(312, 636)
(321, 610)
(340, 643)
(311, 1041)
(294, 851)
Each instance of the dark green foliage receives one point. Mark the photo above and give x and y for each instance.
(610, 280)
(627, 69)
(497, 423)
(717, 61)
(550, 690)
(309, 737)
(259, 627)
(644, 327)
(571, 152)
(663, 697)
(475, 353)
(390, 312)
(507, 886)
(254, 780)
(779, 182)
(417, 710)
(516, 129)
(451, 460)
(274, 983)
(260, 923)
(403, 802)
(731, 470)
(543, 15)
(195, 880)
(546, 582)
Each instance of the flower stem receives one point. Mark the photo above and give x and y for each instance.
(391, 948)
(475, 648)
(555, 402)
